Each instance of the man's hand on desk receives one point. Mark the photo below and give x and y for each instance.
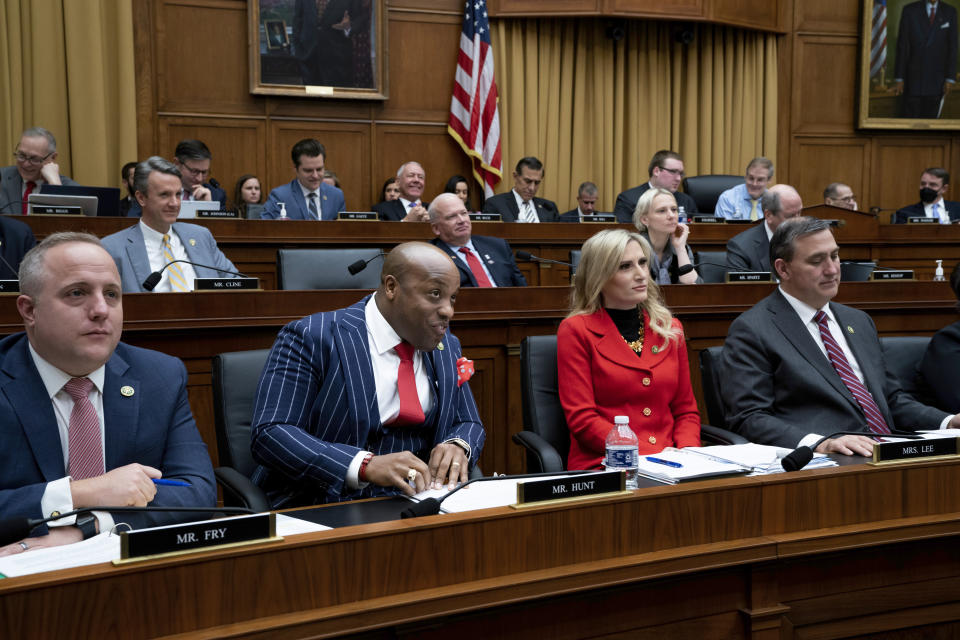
(448, 465)
(848, 446)
(392, 469)
(128, 486)
(954, 422)
(56, 537)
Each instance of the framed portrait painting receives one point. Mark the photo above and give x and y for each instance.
(318, 48)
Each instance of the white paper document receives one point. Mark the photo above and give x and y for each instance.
(761, 458)
(486, 494)
(677, 465)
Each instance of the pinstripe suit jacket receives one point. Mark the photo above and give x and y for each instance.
(316, 408)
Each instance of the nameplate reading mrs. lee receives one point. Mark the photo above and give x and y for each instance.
(225, 284)
(914, 449)
(588, 484)
(196, 536)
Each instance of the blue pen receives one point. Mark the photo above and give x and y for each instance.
(669, 463)
(170, 483)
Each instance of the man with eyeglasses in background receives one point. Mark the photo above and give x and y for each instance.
(840, 195)
(666, 172)
(742, 202)
(192, 158)
(36, 165)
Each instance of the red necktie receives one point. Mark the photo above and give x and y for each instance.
(474, 263)
(86, 452)
(411, 412)
(31, 185)
(870, 409)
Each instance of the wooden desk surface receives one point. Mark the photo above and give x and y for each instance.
(849, 551)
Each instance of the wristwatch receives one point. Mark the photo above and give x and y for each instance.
(87, 523)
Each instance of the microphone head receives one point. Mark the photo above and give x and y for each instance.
(427, 507)
(357, 267)
(213, 183)
(16, 529)
(524, 255)
(152, 281)
(797, 459)
(685, 269)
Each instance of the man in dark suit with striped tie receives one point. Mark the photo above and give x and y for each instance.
(369, 400)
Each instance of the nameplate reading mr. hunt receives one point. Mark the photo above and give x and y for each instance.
(588, 484)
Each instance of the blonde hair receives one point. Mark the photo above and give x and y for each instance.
(600, 258)
(645, 204)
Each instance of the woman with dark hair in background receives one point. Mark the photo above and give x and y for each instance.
(390, 190)
(247, 192)
(459, 185)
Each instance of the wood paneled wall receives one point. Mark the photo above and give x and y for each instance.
(819, 142)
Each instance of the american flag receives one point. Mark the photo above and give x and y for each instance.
(878, 37)
(474, 118)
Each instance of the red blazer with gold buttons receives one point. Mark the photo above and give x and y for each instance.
(600, 377)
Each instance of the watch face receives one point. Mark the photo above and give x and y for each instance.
(87, 525)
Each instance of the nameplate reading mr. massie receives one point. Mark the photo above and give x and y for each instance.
(889, 451)
(588, 484)
(197, 535)
(225, 284)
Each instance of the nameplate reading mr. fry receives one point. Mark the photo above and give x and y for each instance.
(899, 451)
(588, 484)
(197, 535)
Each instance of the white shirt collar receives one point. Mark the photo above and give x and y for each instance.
(384, 337)
(805, 311)
(54, 379)
(152, 235)
(306, 192)
(406, 203)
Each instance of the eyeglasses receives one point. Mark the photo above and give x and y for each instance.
(677, 172)
(849, 198)
(196, 172)
(25, 159)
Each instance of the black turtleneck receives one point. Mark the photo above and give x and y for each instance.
(628, 322)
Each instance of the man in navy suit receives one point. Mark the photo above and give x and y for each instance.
(587, 195)
(367, 400)
(666, 172)
(797, 364)
(934, 182)
(307, 197)
(158, 239)
(926, 65)
(482, 261)
(750, 250)
(192, 158)
(16, 238)
(85, 420)
(521, 203)
(36, 157)
(409, 207)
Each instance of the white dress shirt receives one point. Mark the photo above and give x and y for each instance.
(153, 240)
(528, 211)
(941, 214)
(306, 196)
(480, 258)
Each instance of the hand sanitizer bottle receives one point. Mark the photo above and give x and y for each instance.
(283, 211)
(938, 274)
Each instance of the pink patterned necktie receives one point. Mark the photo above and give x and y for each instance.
(86, 451)
(870, 409)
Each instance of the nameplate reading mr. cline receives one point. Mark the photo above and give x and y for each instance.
(486, 217)
(358, 215)
(749, 276)
(892, 274)
(915, 449)
(225, 284)
(196, 536)
(588, 484)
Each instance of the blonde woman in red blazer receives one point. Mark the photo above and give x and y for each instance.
(620, 352)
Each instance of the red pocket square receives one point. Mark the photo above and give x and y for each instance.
(464, 370)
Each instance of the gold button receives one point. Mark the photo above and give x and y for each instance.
(647, 411)
(646, 382)
(653, 440)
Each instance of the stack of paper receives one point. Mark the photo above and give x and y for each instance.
(679, 465)
(760, 458)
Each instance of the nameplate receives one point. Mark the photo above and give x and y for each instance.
(56, 209)
(220, 284)
(197, 536)
(599, 218)
(209, 213)
(922, 220)
(588, 484)
(9, 286)
(486, 217)
(914, 449)
(358, 215)
(708, 219)
(749, 276)
(892, 274)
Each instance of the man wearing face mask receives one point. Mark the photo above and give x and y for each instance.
(934, 182)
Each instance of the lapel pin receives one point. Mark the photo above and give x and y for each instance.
(850, 329)
(440, 346)
(126, 391)
(193, 242)
(324, 197)
(655, 349)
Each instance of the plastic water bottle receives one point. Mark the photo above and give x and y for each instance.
(622, 450)
(283, 211)
(682, 214)
(938, 274)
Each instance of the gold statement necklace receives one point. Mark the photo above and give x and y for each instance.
(637, 345)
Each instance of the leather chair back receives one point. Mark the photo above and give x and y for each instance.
(856, 271)
(542, 412)
(710, 372)
(235, 377)
(326, 269)
(713, 266)
(706, 189)
(902, 355)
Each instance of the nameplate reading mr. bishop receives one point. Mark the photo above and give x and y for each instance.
(588, 484)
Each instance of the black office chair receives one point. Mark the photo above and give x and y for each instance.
(326, 269)
(710, 372)
(902, 355)
(706, 189)
(574, 262)
(713, 265)
(856, 271)
(234, 379)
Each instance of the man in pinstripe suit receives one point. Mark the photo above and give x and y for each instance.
(329, 422)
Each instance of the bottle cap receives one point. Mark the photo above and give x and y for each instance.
(621, 420)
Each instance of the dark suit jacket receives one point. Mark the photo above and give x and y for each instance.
(17, 239)
(627, 202)
(778, 386)
(316, 408)
(570, 216)
(153, 426)
(498, 256)
(393, 210)
(506, 205)
(331, 202)
(940, 368)
(749, 250)
(926, 55)
(216, 195)
(916, 209)
(11, 189)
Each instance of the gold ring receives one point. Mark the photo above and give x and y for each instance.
(412, 474)
(455, 464)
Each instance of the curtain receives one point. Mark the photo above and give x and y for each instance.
(594, 109)
(67, 66)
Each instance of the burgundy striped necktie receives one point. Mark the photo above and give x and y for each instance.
(86, 451)
(870, 409)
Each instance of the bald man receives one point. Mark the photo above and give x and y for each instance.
(367, 401)
(750, 250)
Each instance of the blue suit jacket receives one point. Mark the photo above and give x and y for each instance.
(17, 239)
(216, 194)
(497, 255)
(130, 253)
(153, 426)
(916, 210)
(331, 202)
(316, 408)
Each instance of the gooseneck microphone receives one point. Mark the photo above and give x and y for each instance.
(529, 257)
(154, 278)
(799, 457)
(361, 264)
(16, 274)
(687, 268)
(15, 529)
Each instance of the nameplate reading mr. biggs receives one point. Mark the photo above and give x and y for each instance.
(901, 451)
(588, 484)
(194, 536)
